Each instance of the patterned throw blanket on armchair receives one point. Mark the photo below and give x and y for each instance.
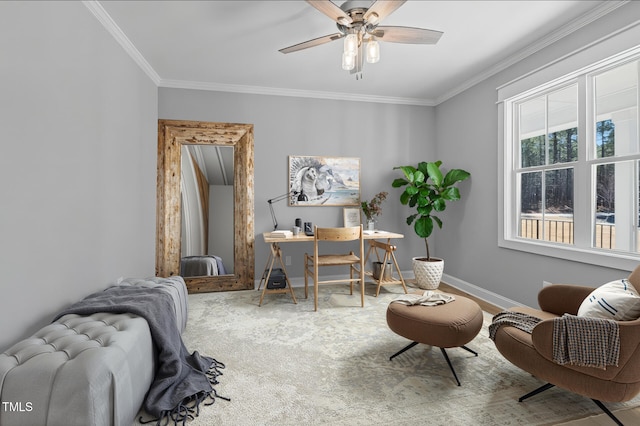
(182, 380)
(582, 341)
(585, 341)
(519, 320)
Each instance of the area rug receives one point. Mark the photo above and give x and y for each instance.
(630, 416)
(289, 365)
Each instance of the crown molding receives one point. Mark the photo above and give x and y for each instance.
(578, 23)
(105, 19)
(276, 91)
(98, 11)
(109, 24)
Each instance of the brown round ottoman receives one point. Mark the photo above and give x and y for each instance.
(450, 325)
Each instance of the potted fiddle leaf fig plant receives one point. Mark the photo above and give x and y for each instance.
(427, 190)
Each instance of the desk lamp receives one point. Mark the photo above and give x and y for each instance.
(275, 200)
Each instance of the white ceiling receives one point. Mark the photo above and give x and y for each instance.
(233, 45)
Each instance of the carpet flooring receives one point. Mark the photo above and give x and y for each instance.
(629, 417)
(289, 365)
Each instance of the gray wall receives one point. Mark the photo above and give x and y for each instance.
(471, 246)
(77, 167)
(381, 135)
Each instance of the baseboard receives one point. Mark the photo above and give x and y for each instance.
(480, 293)
(486, 295)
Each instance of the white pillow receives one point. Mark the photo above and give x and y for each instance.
(617, 300)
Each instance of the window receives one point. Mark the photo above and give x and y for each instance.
(614, 152)
(572, 163)
(548, 149)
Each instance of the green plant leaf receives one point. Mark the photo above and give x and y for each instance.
(455, 175)
(397, 183)
(423, 226)
(451, 194)
(404, 198)
(435, 174)
(437, 220)
(411, 190)
(425, 191)
(425, 210)
(439, 204)
(408, 171)
(413, 201)
(411, 218)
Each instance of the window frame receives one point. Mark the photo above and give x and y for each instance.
(509, 161)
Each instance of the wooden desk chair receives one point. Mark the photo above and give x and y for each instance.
(355, 262)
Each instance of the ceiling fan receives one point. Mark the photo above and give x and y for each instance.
(358, 22)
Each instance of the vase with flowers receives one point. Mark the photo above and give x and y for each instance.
(373, 209)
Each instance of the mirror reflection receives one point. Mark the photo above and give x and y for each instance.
(207, 210)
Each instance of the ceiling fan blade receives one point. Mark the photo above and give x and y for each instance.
(331, 10)
(407, 35)
(382, 8)
(312, 43)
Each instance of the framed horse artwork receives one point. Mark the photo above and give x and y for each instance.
(324, 181)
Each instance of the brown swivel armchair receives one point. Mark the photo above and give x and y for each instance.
(534, 352)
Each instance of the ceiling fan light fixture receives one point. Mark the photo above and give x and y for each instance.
(357, 22)
(348, 61)
(351, 44)
(373, 51)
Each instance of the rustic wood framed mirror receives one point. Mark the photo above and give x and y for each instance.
(173, 137)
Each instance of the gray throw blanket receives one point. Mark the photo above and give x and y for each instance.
(519, 320)
(182, 380)
(585, 341)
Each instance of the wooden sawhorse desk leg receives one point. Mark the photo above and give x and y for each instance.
(276, 254)
(388, 255)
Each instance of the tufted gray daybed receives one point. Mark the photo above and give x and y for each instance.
(85, 370)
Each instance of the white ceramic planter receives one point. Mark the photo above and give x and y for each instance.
(428, 273)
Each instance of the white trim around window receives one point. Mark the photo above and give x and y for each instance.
(577, 68)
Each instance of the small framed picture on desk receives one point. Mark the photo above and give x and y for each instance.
(351, 217)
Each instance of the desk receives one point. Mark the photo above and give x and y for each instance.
(372, 236)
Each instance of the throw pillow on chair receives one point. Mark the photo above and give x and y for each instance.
(617, 300)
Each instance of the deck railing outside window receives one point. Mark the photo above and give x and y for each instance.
(561, 231)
